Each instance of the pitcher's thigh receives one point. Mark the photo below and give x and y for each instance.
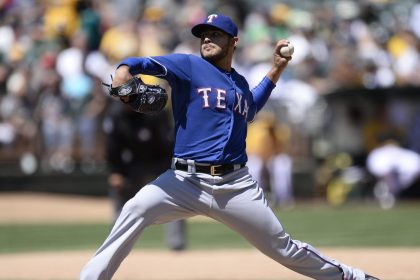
(154, 206)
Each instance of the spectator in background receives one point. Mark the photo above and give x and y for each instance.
(16, 108)
(395, 168)
(268, 161)
(90, 22)
(138, 149)
(78, 87)
(56, 126)
(7, 134)
(111, 45)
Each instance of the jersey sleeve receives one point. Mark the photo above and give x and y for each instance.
(173, 67)
(262, 92)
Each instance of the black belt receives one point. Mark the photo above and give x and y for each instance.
(214, 170)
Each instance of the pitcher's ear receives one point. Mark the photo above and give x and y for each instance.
(235, 41)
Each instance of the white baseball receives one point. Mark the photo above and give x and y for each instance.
(287, 51)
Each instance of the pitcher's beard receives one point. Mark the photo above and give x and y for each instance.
(213, 58)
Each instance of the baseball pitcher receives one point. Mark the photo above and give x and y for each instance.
(211, 105)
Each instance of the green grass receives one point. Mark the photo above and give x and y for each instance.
(320, 226)
(355, 225)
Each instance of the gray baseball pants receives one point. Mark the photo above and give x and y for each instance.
(234, 200)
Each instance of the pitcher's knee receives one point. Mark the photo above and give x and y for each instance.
(280, 247)
(134, 208)
(141, 207)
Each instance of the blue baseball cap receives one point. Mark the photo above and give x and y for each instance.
(218, 21)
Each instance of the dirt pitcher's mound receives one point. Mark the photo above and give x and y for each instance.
(51, 208)
(391, 264)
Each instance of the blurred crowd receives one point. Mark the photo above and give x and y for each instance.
(55, 53)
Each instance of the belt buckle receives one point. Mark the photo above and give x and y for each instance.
(213, 170)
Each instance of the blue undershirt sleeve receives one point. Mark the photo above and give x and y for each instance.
(262, 92)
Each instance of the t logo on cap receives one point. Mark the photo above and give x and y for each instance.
(218, 21)
(210, 18)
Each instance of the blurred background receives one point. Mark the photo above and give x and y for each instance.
(343, 123)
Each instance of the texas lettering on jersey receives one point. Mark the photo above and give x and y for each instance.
(241, 105)
(211, 108)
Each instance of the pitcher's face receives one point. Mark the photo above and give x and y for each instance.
(215, 45)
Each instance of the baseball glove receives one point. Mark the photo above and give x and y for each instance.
(142, 97)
